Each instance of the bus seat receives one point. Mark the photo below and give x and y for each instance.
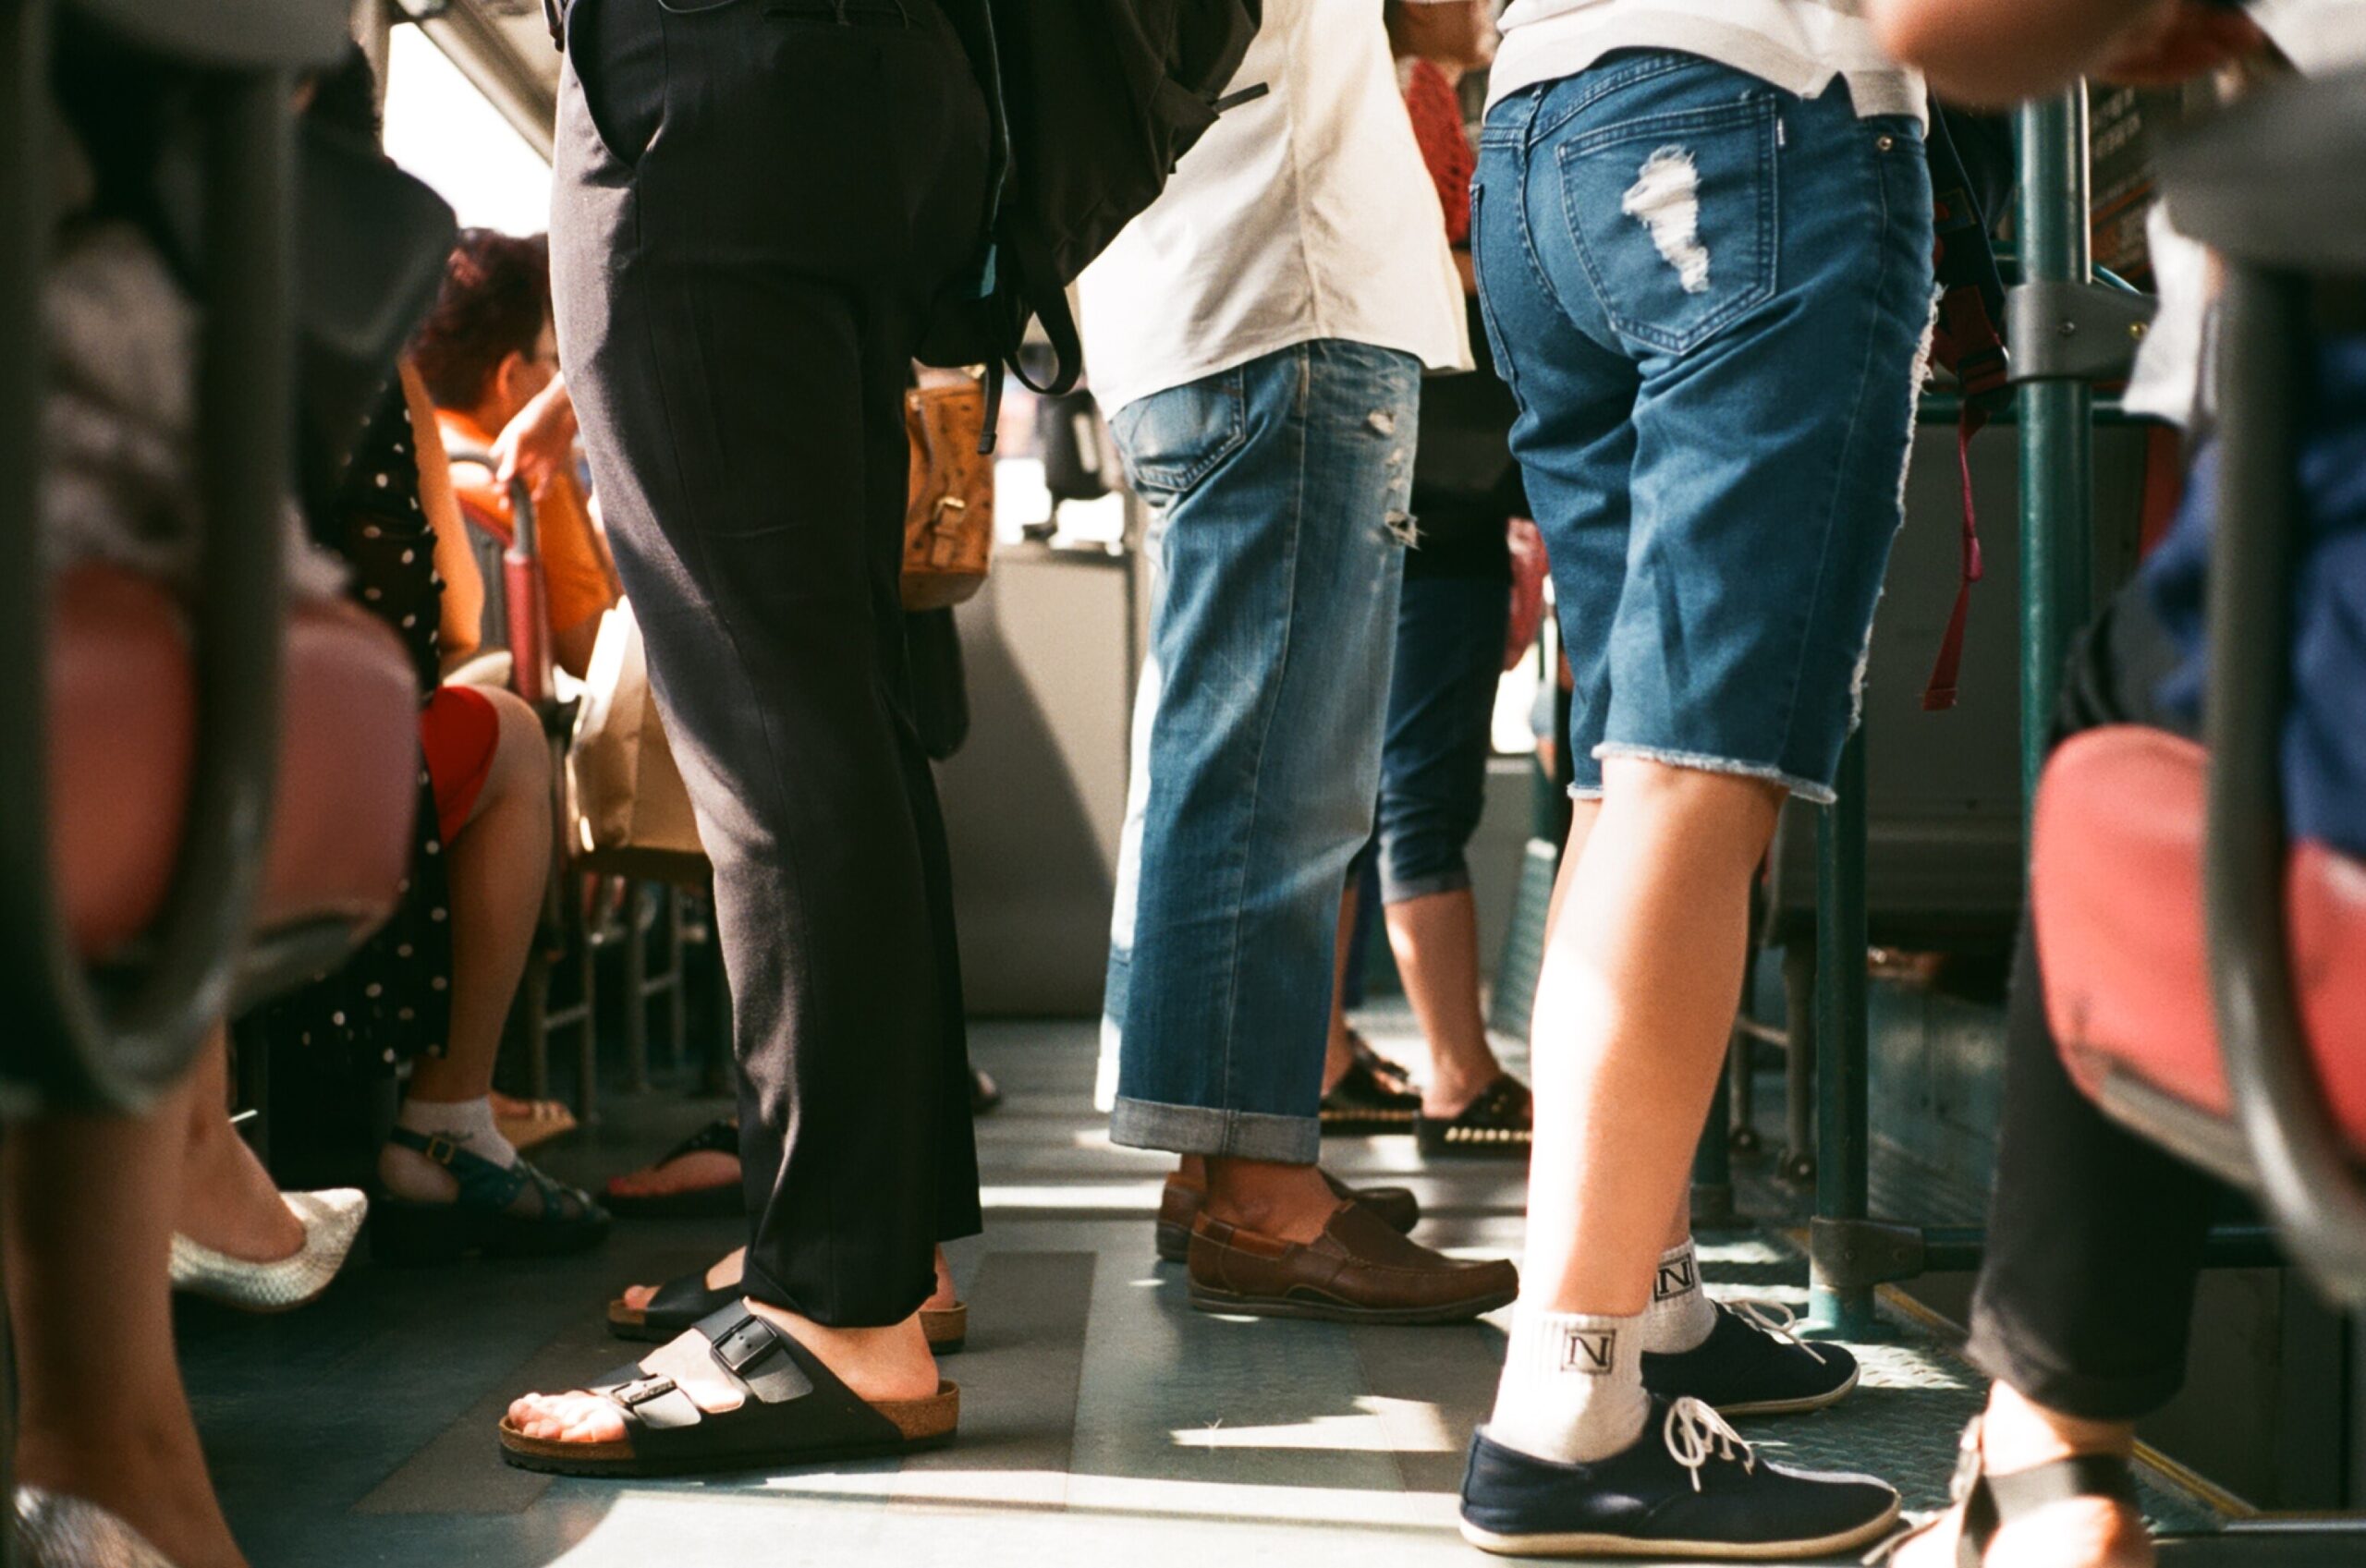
(2116, 891)
(122, 697)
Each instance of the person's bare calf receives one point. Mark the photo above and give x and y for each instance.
(225, 1199)
(1435, 940)
(87, 1208)
(2080, 1532)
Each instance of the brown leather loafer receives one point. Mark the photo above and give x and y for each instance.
(1178, 1205)
(1357, 1271)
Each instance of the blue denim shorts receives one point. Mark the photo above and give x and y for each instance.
(1710, 299)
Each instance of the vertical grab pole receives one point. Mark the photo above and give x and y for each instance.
(1843, 1138)
(24, 246)
(2056, 424)
(1713, 1172)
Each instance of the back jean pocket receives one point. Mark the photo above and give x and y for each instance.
(1172, 440)
(1674, 216)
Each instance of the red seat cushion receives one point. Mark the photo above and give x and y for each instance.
(2116, 892)
(123, 728)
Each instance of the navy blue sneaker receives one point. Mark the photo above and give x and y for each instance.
(1688, 1488)
(1749, 1365)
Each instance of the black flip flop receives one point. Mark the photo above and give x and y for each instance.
(794, 1411)
(679, 1304)
(1498, 1125)
(723, 1200)
(1374, 1096)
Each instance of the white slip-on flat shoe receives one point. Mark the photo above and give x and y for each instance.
(66, 1532)
(331, 1220)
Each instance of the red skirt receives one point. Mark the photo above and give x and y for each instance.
(459, 730)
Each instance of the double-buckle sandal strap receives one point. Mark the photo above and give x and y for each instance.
(789, 1401)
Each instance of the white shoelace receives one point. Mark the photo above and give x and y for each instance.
(1774, 1317)
(1696, 1434)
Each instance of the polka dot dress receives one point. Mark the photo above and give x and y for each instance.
(392, 1001)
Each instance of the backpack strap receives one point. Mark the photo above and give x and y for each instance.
(1965, 339)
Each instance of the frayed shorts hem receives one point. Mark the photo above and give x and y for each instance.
(1207, 1131)
(1806, 789)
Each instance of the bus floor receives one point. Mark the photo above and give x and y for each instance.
(1102, 1417)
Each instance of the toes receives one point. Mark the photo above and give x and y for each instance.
(638, 1297)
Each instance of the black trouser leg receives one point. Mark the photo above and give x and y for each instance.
(2085, 1298)
(753, 206)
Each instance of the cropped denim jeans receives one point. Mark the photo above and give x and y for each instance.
(1280, 493)
(1710, 297)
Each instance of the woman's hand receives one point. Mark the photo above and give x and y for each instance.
(539, 443)
(2176, 43)
(1528, 591)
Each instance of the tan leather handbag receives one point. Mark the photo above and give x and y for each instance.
(949, 520)
(625, 796)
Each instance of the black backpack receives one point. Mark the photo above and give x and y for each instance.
(1094, 103)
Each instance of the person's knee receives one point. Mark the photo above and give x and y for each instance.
(1698, 804)
(521, 757)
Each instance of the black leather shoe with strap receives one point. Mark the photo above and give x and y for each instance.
(792, 1410)
(485, 1217)
(1988, 1503)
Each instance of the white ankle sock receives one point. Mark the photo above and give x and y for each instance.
(1573, 1386)
(466, 1124)
(1681, 1315)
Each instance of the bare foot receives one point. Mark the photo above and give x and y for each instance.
(725, 1273)
(878, 1365)
(228, 1201)
(694, 1172)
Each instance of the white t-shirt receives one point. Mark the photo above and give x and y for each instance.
(1304, 213)
(1798, 45)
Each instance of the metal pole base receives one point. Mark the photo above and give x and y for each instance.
(1845, 1314)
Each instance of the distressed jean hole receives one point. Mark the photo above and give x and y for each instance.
(1666, 199)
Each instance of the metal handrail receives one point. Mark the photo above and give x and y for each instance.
(523, 548)
(2254, 185)
(2302, 1165)
(74, 1040)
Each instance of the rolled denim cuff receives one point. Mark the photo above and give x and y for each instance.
(1446, 879)
(1199, 1129)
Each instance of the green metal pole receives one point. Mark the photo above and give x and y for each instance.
(1713, 1170)
(2056, 416)
(1843, 1179)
